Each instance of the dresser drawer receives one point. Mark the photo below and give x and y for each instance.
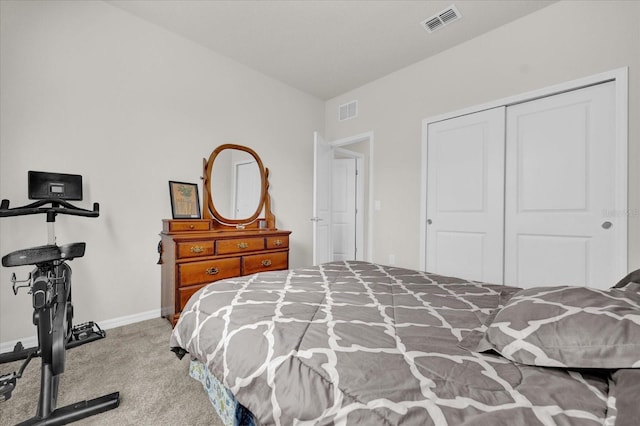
(278, 242)
(265, 262)
(194, 248)
(183, 225)
(239, 245)
(185, 293)
(207, 271)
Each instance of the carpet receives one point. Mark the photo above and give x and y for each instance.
(154, 385)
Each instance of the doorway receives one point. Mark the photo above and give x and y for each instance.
(342, 213)
(347, 205)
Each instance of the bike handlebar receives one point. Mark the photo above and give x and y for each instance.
(57, 206)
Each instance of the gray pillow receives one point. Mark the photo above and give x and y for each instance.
(575, 327)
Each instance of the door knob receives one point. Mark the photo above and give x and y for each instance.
(607, 224)
(429, 221)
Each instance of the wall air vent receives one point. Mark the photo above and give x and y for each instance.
(441, 19)
(348, 110)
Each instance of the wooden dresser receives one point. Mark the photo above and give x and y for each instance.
(192, 255)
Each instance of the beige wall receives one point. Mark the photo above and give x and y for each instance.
(87, 88)
(565, 41)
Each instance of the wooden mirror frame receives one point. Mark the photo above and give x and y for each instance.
(222, 223)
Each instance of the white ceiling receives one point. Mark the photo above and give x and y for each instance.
(326, 48)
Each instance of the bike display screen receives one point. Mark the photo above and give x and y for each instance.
(43, 185)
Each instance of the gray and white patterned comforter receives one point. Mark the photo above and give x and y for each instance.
(359, 343)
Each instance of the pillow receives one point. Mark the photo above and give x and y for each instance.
(633, 277)
(575, 327)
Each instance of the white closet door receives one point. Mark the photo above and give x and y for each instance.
(560, 190)
(465, 196)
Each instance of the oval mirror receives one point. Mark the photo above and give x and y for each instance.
(236, 184)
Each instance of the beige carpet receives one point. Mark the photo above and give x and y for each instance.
(154, 385)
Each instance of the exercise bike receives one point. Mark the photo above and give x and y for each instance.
(50, 287)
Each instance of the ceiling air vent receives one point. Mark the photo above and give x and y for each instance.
(441, 19)
(348, 110)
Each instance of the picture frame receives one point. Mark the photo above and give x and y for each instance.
(185, 201)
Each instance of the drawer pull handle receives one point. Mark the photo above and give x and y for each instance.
(278, 242)
(212, 271)
(191, 226)
(197, 249)
(266, 262)
(243, 245)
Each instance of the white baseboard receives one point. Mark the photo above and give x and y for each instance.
(32, 341)
(129, 319)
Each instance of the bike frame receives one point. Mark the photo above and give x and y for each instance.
(50, 285)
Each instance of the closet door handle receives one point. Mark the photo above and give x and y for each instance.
(429, 221)
(607, 224)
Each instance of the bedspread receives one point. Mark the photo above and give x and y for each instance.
(360, 343)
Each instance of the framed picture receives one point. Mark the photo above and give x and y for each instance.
(185, 203)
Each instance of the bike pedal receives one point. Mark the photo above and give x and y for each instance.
(85, 333)
(82, 331)
(7, 385)
(87, 329)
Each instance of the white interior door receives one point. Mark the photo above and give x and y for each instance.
(344, 208)
(560, 168)
(465, 196)
(321, 219)
(247, 189)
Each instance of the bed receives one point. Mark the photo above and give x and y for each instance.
(356, 343)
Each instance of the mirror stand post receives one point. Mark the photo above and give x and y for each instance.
(206, 213)
(269, 216)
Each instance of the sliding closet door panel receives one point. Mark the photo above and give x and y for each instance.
(461, 254)
(465, 193)
(539, 255)
(560, 162)
(552, 155)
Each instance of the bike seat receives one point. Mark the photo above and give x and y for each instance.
(43, 254)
